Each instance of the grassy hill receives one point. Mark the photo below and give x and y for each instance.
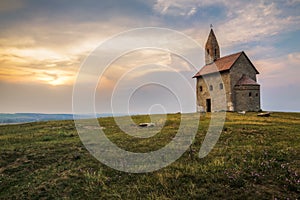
(255, 158)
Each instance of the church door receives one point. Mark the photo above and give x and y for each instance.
(208, 105)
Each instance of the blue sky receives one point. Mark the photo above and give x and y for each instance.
(43, 43)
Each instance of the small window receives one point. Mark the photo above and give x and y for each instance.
(250, 94)
(256, 94)
(207, 50)
(221, 86)
(211, 88)
(216, 54)
(201, 89)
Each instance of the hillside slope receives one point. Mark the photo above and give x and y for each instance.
(255, 158)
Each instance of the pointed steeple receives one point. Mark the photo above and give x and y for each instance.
(212, 50)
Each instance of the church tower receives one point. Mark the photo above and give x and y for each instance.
(232, 77)
(212, 50)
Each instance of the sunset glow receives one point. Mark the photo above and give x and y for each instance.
(42, 49)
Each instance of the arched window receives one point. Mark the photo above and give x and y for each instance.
(221, 86)
(207, 50)
(256, 94)
(250, 94)
(211, 88)
(200, 88)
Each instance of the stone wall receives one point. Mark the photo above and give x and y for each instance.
(218, 96)
(242, 66)
(236, 97)
(247, 98)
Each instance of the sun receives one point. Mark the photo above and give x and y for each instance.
(55, 77)
(57, 82)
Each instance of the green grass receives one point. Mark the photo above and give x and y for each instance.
(255, 158)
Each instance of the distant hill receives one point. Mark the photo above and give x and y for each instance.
(36, 117)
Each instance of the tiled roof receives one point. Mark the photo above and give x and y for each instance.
(221, 64)
(246, 80)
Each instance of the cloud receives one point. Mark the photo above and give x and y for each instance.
(294, 58)
(138, 68)
(178, 7)
(243, 21)
(53, 50)
(280, 84)
(256, 20)
(11, 5)
(280, 71)
(62, 45)
(130, 67)
(52, 77)
(37, 65)
(44, 42)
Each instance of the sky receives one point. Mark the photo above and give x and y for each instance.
(44, 43)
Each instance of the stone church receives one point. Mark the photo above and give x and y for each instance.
(238, 80)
